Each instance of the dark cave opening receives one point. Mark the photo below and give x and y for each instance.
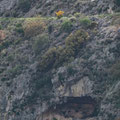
(76, 107)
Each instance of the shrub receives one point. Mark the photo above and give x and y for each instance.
(66, 26)
(24, 5)
(18, 25)
(54, 57)
(33, 27)
(58, 56)
(75, 41)
(48, 59)
(19, 28)
(85, 21)
(63, 56)
(40, 43)
(50, 29)
(59, 14)
(73, 19)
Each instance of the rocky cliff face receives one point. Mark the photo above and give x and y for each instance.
(59, 68)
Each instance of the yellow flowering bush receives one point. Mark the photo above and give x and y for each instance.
(59, 13)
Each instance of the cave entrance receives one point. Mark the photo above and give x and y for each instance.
(73, 107)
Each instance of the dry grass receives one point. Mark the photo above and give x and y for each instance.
(34, 27)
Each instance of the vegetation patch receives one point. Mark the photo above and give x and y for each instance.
(33, 27)
(75, 41)
(85, 21)
(40, 43)
(58, 56)
(66, 26)
(19, 28)
(59, 14)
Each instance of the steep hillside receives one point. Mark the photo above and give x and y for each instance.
(29, 8)
(59, 68)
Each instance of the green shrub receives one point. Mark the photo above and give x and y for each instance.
(54, 57)
(73, 19)
(40, 43)
(85, 21)
(48, 59)
(19, 28)
(64, 56)
(75, 41)
(18, 25)
(57, 56)
(24, 5)
(66, 26)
